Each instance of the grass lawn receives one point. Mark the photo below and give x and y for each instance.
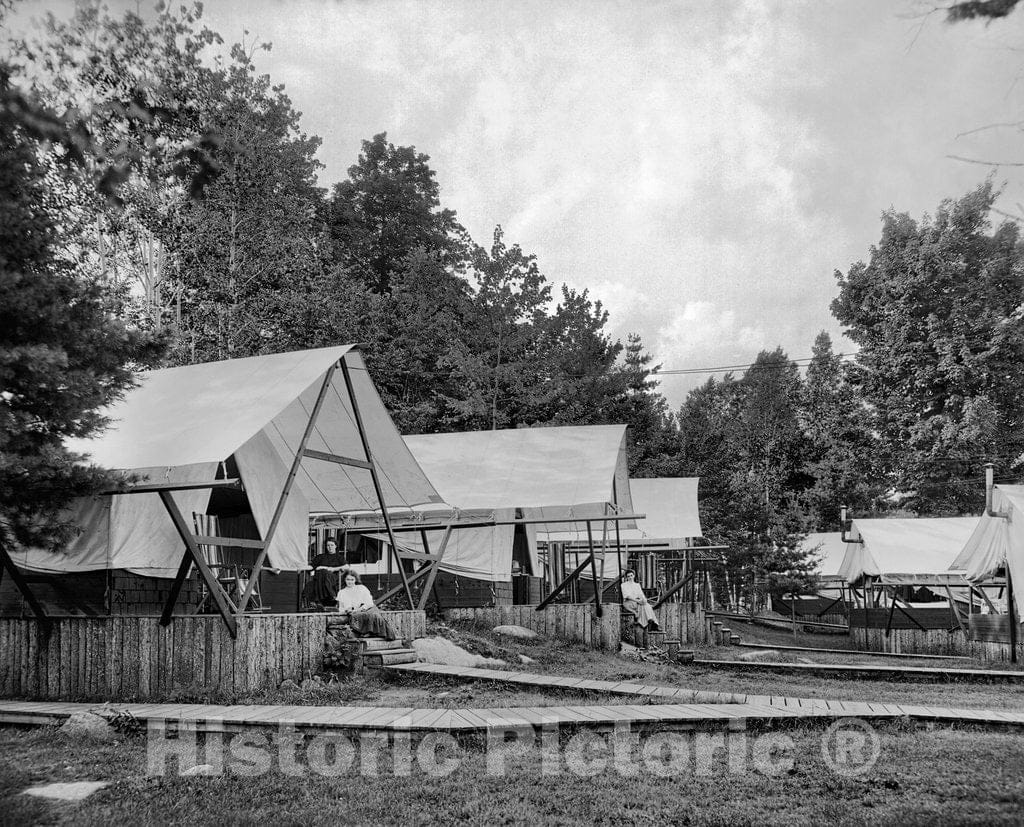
(952, 776)
(922, 775)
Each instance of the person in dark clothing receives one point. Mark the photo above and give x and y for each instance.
(322, 588)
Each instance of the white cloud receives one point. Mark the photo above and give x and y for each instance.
(701, 328)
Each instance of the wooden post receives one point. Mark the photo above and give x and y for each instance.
(1013, 614)
(376, 482)
(433, 586)
(562, 586)
(7, 563)
(192, 550)
(283, 499)
(593, 571)
(434, 566)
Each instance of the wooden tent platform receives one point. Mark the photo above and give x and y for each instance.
(799, 707)
(870, 671)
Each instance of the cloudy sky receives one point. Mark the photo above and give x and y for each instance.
(703, 168)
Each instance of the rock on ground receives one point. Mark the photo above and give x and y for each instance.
(66, 791)
(88, 726)
(759, 654)
(443, 651)
(525, 659)
(200, 769)
(520, 632)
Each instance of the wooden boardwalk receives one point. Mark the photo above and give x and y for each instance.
(861, 652)
(869, 671)
(205, 718)
(799, 707)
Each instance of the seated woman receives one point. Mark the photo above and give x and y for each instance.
(634, 600)
(322, 586)
(356, 602)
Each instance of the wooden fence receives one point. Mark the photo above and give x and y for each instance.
(125, 658)
(931, 642)
(570, 621)
(685, 622)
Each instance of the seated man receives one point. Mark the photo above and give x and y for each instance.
(356, 602)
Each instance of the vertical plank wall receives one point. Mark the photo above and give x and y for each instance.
(135, 657)
(931, 642)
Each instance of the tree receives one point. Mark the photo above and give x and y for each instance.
(653, 440)
(937, 314)
(388, 208)
(842, 453)
(497, 364)
(129, 144)
(255, 234)
(979, 9)
(742, 438)
(62, 354)
(578, 383)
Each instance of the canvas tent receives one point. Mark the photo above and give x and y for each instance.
(313, 416)
(905, 552)
(525, 475)
(997, 541)
(671, 521)
(828, 549)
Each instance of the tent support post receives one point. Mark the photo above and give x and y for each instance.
(433, 586)
(434, 566)
(376, 482)
(283, 499)
(1012, 610)
(905, 613)
(192, 551)
(955, 611)
(829, 606)
(675, 587)
(618, 557)
(7, 563)
(598, 610)
(557, 590)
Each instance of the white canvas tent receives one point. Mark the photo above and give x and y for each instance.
(531, 474)
(828, 549)
(997, 541)
(671, 521)
(901, 552)
(184, 426)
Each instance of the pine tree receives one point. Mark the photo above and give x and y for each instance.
(62, 354)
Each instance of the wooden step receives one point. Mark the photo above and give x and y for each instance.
(378, 644)
(389, 657)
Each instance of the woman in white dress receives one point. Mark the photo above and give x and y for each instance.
(356, 603)
(634, 600)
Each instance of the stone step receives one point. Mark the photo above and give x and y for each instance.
(389, 657)
(378, 644)
(734, 640)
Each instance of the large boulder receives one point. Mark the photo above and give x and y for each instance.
(87, 726)
(442, 651)
(520, 632)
